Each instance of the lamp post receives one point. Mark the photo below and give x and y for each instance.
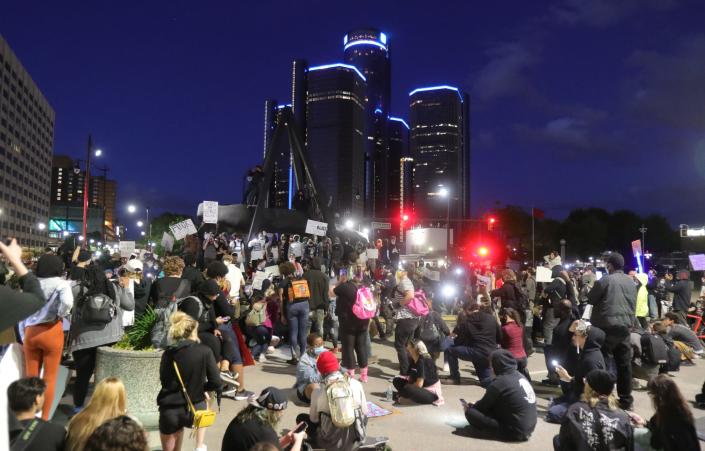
(87, 179)
(132, 209)
(443, 192)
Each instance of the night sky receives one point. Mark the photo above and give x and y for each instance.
(574, 102)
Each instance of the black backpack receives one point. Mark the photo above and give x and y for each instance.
(654, 349)
(428, 331)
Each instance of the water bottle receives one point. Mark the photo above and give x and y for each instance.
(389, 394)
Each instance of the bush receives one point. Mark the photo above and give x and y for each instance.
(138, 338)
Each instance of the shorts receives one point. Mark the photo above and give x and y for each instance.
(174, 419)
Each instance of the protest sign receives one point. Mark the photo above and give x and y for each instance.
(257, 280)
(636, 248)
(372, 253)
(167, 241)
(484, 280)
(697, 261)
(275, 254)
(271, 270)
(183, 228)
(543, 275)
(316, 228)
(210, 212)
(257, 255)
(126, 248)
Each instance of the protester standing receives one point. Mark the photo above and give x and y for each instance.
(294, 311)
(353, 331)
(405, 320)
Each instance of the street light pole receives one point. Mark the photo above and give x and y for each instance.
(448, 228)
(149, 227)
(86, 183)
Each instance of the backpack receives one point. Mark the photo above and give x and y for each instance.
(256, 317)
(521, 299)
(160, 331)
(97, 308)
(298, 290)
(418, 305)
(340, 402)
(428, 331)
(654, 349)
(181, 291)
(365, 306)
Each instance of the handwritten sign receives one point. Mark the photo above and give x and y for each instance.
(372, 253)
(167, 241)
(126, 248)
(258, 279)
(543, 275)
(182, 229)
(271, 270)
(210, 212)
(316, 228)
(484, 280)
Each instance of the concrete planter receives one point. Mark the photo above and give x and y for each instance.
(139, 371)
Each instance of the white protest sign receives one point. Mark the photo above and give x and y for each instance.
(257, 280)
(271, 270)
(484, 280)
(210, 212)
(126, 248)
(372, 253)
(543, 275)
(167, 241)
(183, 228)
(697, 261)
(257, 255)
(296, 249)
(316, 228)
(275, 253)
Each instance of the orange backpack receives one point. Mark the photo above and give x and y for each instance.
(298, 291)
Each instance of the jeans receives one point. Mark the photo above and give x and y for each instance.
(559, 408)
(262, 335)
(316, 319)
(480, 361)
(617, 352)
(405, 331)
(230, 347)
(549, 323)
(84, 361)
(410, 391)
(297, 316)
(354, 344)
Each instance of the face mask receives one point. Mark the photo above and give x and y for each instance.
(319, 350)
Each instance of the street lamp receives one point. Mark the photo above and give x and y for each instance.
(132, 209)
(443, 192)
(142, 233)
(349, 224)
(41, 226)
(140, 223)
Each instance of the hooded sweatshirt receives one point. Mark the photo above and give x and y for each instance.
(590, 358)
(509, 399)
(198, 371)
(642, 296)
(579, 431)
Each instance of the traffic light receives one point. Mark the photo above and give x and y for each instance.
(483, 251)
(491, 222)
(404, 217)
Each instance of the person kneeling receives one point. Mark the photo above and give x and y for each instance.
(421, 385)
(581, 428)
(508, 409)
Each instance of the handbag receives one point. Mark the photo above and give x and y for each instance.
(201, 418)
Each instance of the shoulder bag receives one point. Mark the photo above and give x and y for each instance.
(201, 418)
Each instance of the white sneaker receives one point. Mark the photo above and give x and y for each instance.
(274, 341)
(270, 350)
(201, 448)
(262, 358)
(446, 367)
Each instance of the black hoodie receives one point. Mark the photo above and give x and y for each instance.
(509, 399)
(198, 371)
(590, 358)
(579, 429)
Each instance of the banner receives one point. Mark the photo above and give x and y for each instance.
(183, 228)
(126, 248)
(210, 212)
(543, 275)
(316, 228)
(167, 241)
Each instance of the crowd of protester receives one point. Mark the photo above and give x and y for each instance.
(226, 304)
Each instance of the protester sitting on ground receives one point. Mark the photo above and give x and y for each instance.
(513, 338)
(672, 427)
(682, 333)
(199, 373)
(109, 400)
(256, 423)
(307, 376)
(353, 332)
(589, 340)
(86, 335)
(43, 331)
(233, 350)
(191, 273)
(339, 423)
(477, 335)
(294, 310)
(422, 385)
(674, 355)
(507, 411)
(118, 434)
(258, 322)
(25, 398)
(170, 287)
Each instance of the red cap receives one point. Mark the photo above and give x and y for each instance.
(327, 363)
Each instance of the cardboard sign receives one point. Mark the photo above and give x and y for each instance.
(126, 248)
(167, 241)
(543, 275)
(183, 228)
(697, 261)
(316, 228)
(372, 253)
(272, 270)
(257, 255)
(257, 280)
(210, 212)
(636, 248)
(484, 280)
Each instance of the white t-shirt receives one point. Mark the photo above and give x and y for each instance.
(234, 276)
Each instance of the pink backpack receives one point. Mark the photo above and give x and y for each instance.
(418, 306)
(365, 306)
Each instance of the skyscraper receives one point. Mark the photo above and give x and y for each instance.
(335, 139)
(440, 147)
(282, 185)
(368, 50)
(26, 143)
(398, 150)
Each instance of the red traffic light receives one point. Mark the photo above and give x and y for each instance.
(483, 251)
(491, 220)
(404, 217)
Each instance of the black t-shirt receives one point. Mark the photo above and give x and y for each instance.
(49, 438)
(166, 288)
(243, 436)
(346, 294)
(425, 369)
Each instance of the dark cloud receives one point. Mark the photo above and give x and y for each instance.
(669, 89)
(602, 13)
(506, 72)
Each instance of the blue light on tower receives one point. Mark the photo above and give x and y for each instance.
(398, 119)
(382, 38)
(345, 66)
(365, 42)
(437, 88)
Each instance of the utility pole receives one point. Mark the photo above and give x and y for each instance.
(86, 185)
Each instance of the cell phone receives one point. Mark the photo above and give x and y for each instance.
(226, 318)
(300, 427)
(554, 363)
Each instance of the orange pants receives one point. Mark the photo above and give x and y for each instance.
(43, 345)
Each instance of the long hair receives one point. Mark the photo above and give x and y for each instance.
(109, 400)
(513, 314)
(591, 397)
(668, 401)
(182, 326)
